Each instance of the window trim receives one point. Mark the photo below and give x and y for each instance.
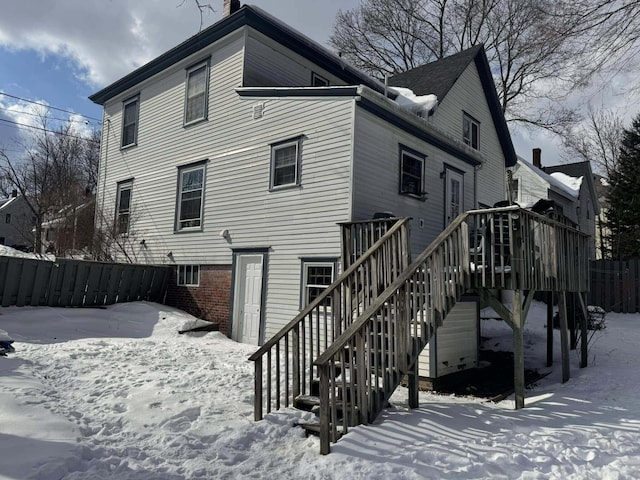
(184, 283)
(318, 262)
(120, 186)
(134, 99)
(297, 141)
(469, 142)
(188, 71)
(404, 150)
(181, 169)
(316, 77)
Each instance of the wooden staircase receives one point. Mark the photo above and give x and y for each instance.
(345, 354)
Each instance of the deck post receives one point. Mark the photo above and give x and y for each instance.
(584, 347)
(564, 336)
(257, 400)
(549, 329)
(413, 380)
(518, 349)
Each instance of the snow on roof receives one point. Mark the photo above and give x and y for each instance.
(5, 203)
(422, 105)
(572, 183)
(552, 181)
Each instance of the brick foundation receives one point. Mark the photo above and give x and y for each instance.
(209, 301)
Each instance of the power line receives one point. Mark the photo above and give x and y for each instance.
(16, 124)
(49, 106)
(49, 118)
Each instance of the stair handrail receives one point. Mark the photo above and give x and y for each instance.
(300, 339)
(352, 342)
(327, 292)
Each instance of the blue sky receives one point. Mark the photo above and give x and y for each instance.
(61, 52)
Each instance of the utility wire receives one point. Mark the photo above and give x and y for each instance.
(49, 106)
(15, 124)
(49, 118)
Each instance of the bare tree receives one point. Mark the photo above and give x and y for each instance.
(202, 7)
(54, 171)
(597, 140)
(539, 50)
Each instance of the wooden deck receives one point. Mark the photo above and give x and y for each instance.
(352, 346)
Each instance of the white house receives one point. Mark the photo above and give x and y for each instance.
(234, 155)
(16, 222)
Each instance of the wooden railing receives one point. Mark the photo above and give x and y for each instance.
(512, 248)
(509, 248)
(358, 237)
(362, 368)
(284, 364)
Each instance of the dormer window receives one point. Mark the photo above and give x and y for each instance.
(471, 132)
(197, 91)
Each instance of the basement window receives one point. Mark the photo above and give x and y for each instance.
(189, 275)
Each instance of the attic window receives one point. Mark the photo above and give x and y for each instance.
(318, 81)
(130, 122)
(411, 173)
(471, 132)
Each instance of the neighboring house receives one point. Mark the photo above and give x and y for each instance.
(16, 223)
(70, 230)
(603, 249)
(530, 184)
(588, 206)
(234, 155)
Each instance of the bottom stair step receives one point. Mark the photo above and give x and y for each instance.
(314, 429)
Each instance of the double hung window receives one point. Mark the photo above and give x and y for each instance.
(197, 91)
(190, 197)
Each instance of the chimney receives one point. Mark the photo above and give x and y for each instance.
(14, 193)
(230, 7)
(536, 157)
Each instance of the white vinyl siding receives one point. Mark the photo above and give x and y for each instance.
(455, 345)
(292, 223)
(270, 64)
(197, 90)
(466, 96)
(377, 169)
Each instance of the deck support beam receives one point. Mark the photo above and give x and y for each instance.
(583, 331)
(518, 348)
(549, 329)
(564, 336)
(413, 379)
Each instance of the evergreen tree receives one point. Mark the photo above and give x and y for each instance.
(624, 197)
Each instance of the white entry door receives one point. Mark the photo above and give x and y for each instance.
(453, 195)
(247, 299)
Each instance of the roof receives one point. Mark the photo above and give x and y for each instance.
(438, 77)
(578, 169)
(247, 15)
(6, 202)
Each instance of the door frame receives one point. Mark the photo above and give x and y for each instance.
(236, 253)
(448, 169)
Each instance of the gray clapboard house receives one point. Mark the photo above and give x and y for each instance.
(236, 154)
(256, 161)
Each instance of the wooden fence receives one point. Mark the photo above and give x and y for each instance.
(78, 283)
(615, 285)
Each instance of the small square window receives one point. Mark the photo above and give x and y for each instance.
(318, 81)
(411, 174)
(317, 276)
(190, 197)
(189, 275)
(130, 122)
(285, 164)
(197, 91)
(123, 206)
(471, 132)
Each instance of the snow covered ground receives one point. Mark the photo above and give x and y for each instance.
(116, 393)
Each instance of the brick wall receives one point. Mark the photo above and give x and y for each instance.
(210, 301)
